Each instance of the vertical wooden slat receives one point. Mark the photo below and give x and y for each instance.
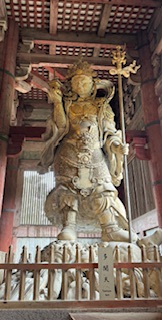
(24, 200)
(138, 191)
(158, 272)
(7, 294)
(119, 286)
(6, 260)
(133, 290)
(145, 273)
(78, 288)
(37, 275)
(91, 275)
(35, 208)
(23, 275)
(29, 207)
(150, 202)
(51, 274)
(64, 276)
(27, 213)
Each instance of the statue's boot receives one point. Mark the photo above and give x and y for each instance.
(68, 231)
(111, 231)
(115, 233)
(151, 240)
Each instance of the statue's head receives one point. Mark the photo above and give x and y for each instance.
(84, 82)
(81, 77)
(80, 68)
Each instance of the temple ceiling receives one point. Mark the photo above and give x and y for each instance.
(53, 34)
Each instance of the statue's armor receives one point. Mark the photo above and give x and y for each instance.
(79, 160)
(81, 171)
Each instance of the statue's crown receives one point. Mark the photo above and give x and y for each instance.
(80, 67)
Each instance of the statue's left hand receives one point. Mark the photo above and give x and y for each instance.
(124, 148)
(55, 95)
(120, 148)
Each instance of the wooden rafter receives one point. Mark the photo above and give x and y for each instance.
(53, 22)
(53, 16)
(104, 20)
(53, 30)
(22, 86)
(38, 81)
(55, 73)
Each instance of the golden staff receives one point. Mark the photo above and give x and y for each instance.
(119, 59)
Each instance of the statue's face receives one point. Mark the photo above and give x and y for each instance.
(82, 85)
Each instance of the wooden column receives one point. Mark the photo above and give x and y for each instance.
(158, 90)
(150, 106)
(7, 71)
(8, 209)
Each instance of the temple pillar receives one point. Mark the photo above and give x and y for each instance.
(7, 83)
(150, 106)
(158, 90)
(8, 209)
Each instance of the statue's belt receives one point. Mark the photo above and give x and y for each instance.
(79, 144)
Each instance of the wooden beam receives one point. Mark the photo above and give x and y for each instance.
(85, 39)
(107, 45)
(62, 65)
(63, 61)
(59, 61)
(140, 3)
(130, 134)
(104, 20)
(17, 136)
(149, 303)
(37, 104)
(33, 133)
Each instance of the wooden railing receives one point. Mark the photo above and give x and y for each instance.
(145, 276)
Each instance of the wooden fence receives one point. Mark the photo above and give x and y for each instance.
(149, 281)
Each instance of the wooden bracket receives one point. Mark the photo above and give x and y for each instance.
(139, 145)
(138, 140)
(17, 136)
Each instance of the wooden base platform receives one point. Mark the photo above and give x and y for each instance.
(117, 316)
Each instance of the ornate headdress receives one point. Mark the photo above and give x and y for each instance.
(80, 67)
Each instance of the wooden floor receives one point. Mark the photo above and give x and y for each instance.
(117, 316)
